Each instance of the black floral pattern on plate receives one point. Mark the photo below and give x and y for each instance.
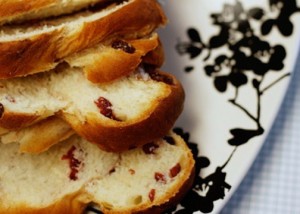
(249, 57)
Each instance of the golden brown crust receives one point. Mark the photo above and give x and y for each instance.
(41, 136)
(14, 120)
(155, 57)
(21, 58)
(117, 136)
(42, 52)
(111, 64)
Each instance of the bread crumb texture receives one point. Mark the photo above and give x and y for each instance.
(113, 181)
(67, 90)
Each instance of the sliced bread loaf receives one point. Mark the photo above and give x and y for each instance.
(73, 174)
(37, 47)
(125, 113)
(23, 10)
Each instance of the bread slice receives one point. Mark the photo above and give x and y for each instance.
(23, 10)
(38, 47)
(40, 136)
(74, 174)
(115, 58)
(120, 115)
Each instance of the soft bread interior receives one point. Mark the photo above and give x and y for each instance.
(40, 180)
(67, 90)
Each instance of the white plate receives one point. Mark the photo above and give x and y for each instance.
(228, 113)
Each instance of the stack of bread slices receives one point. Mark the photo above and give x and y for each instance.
(85, 113)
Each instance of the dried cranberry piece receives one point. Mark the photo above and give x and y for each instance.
(151, 195)
(170, 140)
(174, 171)
(73, 163)
(131, 171)
(1, 109)
(150, 148)
(155, 75)
(105, 108)
(159, 177)
(73, 174)
(122, 45)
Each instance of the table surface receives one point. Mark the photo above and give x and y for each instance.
(272, 184)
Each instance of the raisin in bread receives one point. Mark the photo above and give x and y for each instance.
(73, 174)
(40, 46)
(125, 113)
(40, 136)
(23, 10)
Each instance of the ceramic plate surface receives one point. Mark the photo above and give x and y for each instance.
(235, 60)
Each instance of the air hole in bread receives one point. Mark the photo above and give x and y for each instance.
(138, 199)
